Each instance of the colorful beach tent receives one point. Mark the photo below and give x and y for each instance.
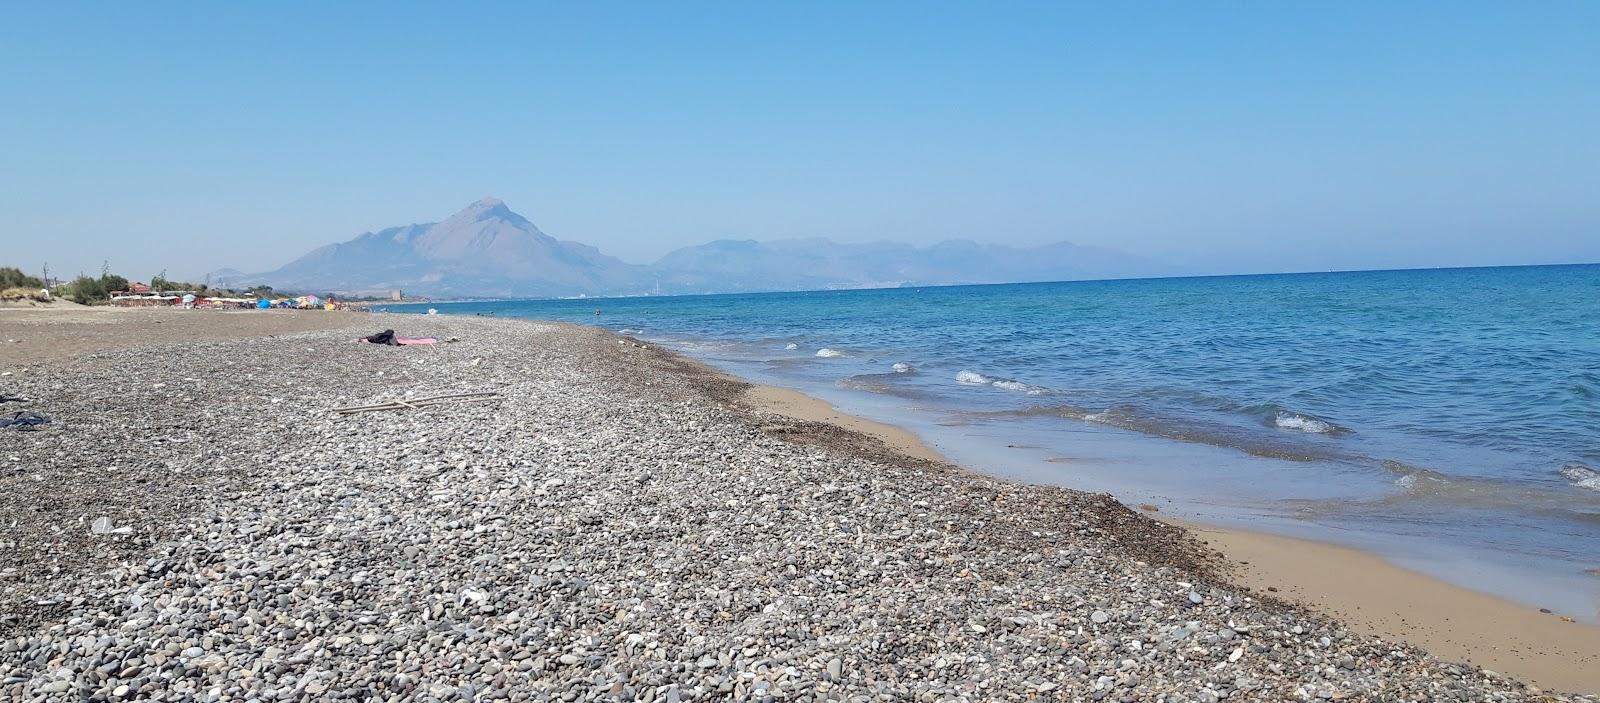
(263, 304)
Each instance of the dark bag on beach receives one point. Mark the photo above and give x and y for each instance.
(384, 337)
(24, 421)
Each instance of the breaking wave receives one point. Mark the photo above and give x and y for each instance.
(1185, 429)
(1282, 418)
(973, 378)
(1581, 476)
(903, 367)
(1415, 480)
(1304, 423)
(791, 346)
(827, 353)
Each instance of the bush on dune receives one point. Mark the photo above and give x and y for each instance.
(13, 277)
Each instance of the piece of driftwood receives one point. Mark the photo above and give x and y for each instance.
(418, 403)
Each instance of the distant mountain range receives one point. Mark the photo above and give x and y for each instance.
(486, 250)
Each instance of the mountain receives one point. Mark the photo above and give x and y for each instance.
(483, 250)
(486, 250)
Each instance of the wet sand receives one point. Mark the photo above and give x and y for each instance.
(799, 406)
(1376, 596)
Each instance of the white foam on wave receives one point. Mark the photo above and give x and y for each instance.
(791, 345)
(973, 378)
(1417, 481)
(1098, 417)
(1581, 476)
(827, 353)
(1018, 386)
(1291, 421)
(903, 367)
(1414, 483)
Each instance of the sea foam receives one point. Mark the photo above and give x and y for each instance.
(903, 367)
(827, 353)
(791, 345)
(1303, 423)
(973, 378)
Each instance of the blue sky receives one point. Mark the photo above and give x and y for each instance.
(1227, 137)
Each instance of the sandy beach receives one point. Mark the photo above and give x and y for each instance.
(622, 523)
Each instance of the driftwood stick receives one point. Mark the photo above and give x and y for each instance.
(399, 406)
(423, 400)
(419, 402)
(456, 395)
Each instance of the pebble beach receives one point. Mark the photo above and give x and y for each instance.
(615, 523)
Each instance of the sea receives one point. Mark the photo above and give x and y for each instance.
(1447, 419)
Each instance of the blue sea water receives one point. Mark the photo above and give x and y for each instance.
(1449, 419)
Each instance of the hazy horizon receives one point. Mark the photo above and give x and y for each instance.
(1283, 139)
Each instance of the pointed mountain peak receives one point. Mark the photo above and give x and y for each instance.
(486, 209)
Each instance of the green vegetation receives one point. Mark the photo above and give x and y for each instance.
(161, 282)
(13, 277)
(86, 290)
(97, 290)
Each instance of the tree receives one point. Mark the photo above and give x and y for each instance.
(86, 290)
(111, 282)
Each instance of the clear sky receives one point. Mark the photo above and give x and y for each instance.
(1222, 136)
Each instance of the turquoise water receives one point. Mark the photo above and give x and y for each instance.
(1447, 418)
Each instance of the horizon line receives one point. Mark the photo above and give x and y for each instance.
(1259, 274)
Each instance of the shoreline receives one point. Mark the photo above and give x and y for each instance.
(679, 533)
(1359, 587)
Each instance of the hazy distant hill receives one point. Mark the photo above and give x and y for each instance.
(820, 263)
(487, 250)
